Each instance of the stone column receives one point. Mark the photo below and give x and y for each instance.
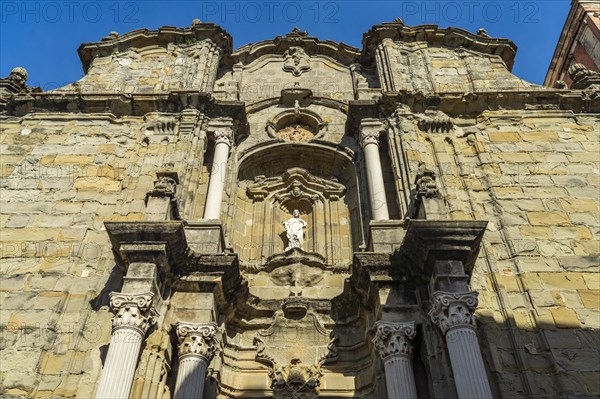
(223, 140)
(393, 341)
(369, 140)
(453, 314)
(196, 349)
(134, 314)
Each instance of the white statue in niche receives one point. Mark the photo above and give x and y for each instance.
(294, 228)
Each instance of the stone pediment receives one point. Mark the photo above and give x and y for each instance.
(141, 38)
(436, 36)
(296, 185)
(311, 46)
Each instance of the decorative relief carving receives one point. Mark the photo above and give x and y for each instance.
(296, 61)
(296, 133)
(134, 311)
(425, 183)
(295, 365)
(160, 129)
(394, 339)
(197, 339)
(435, 121)
(293, 186)
(164, 187)
(450, 310)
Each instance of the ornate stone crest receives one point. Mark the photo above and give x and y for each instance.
(296, 133)
(425, 183)
(296, 61)
(295, 351)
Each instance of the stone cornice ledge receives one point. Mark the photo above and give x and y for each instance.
(162, 36)
(428, 241)
(163, 243)
(121, 104)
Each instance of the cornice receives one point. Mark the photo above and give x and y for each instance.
(436, 36)
(341, 52)
(162, 36)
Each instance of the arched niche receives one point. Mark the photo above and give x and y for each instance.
(317, 180)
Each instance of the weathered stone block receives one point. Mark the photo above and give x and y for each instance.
(565, 318)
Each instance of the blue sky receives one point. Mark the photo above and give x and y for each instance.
(43, 36)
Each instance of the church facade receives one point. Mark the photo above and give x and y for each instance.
(300, 218)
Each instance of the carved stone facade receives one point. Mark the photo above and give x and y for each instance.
(448, 243)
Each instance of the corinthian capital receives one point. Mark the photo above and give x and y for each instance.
(133, 311)
(196, 339)
(222, 130)
(394, 339)
(370, 130)
(450, 310)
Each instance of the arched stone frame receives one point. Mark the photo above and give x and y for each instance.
(266, 178)
(309, 121)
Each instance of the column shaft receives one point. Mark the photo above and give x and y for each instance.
(467, 364)
(190, 377)
(212, 210)
(120, 364)
(399, 377)
(379, 209)
(134, 314)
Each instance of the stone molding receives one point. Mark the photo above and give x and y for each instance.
(197, 339)
(133, 311)
(394, 339)
(451, 310)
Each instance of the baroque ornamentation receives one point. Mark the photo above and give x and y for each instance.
(296, 133)
(133, 311)
(296, 61)
(394, 339)
(425, 183)
(197, 339)
(583, 78)
(435, 121)
(164, 187)
(450, 310)
(295, 185)
(297, 371)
